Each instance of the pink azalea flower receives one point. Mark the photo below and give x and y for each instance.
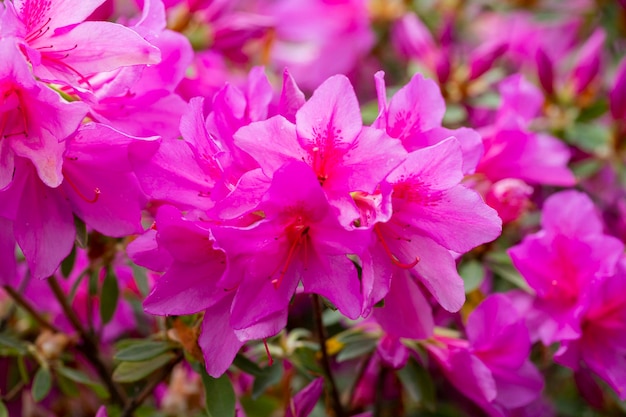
(139, 99)
(98, 186)
(414, 115)
(329, 136)
(34, 120)
(432, 215)
(492, 367)
(601, 345)
(511, 151)
(62, 47)
(301, 405)
(319, 38)
(299, 239)
(194, 266)
(561, 262)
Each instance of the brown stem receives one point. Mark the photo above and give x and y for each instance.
(321, 335)
(135, 402)
(19, 299)
(88, 346)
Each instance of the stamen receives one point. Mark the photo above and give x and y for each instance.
(267, 351)
(80, 194)
(59, 61)
(292, 249)
(393, 258)
(38, 33)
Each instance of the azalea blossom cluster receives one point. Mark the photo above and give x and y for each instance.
(348, 208)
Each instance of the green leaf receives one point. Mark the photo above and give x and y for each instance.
(109, 297)
(305, 359)
(68, 263)
(134, 371)
(418, 384)
(75, 375)
(93, 282)
(67, 386)
(3, 410)
(41, 384)
(142, 351)
(354, 350)
(81, 233)
(13, 343)
(219, 394)
(594, 111)
(589, 137)
(247, 365)
(473, 274)
(141, 279)
(271, 375)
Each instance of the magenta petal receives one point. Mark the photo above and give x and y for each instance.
(257, 300)
(183, 239)
(376, 277)
(291, 98)
(186, 288)
(416, 107)
(471, 376)
(406, 312)
(521, 97)
(392, 352)
(8, 264)
(62, 12)
(498, 334)
(381, 93)
(336, 278)
(302, 404)
(545, 70)
(173, 175)
(271, 143)
(517, 387)
(44, 227)
(437, 271)
(244, 198)
(469, 140)
(331, 113)
(259, 94)
(145, 251)
(571, 213)
(435, 168)
(217, 339)
(589, 61)
(7, 165)
(102, 46)
(617, 98)
(367, 163)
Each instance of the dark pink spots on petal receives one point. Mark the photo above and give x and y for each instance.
(33, 14)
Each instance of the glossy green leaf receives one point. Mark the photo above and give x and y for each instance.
(359, 348)
(68, 263)
(134, 371)
(17, 346)
(418, 384)
(142, 351)
(81, 233)
(247, 365)
(109, 297)
(473, 274)
(271, 376)
(220, 396)
(41, 384)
